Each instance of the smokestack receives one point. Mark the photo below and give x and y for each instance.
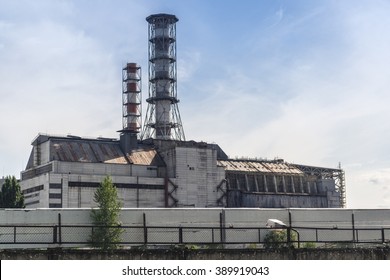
(131, 106)
(162, 119)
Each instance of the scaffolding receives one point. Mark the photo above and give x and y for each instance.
(336, 174)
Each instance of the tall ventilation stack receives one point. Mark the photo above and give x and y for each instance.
(131, 110)
(162, 120)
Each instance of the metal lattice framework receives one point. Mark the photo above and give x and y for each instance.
(162, 120)
(338, 175)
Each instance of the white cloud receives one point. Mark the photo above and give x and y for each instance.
(372, 184)
(279, 14)
(188, 63)
(53, 78)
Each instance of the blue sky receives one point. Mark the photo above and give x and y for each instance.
(306, 81)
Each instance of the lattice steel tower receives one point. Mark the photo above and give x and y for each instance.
(162, 120)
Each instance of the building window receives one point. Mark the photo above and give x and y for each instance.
(32, 202)
(55, 195)
(55, 186)
(55, 205)
(33, 189)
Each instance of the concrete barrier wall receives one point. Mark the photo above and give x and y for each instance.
(228, 218)
(189, 254)
(235, 217)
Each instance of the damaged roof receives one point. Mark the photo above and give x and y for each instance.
(146, 156)
(95, 150)
(276, 167)
(77, 150)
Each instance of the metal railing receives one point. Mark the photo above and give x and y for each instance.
(79, 235)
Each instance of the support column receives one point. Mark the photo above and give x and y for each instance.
(256, 183)
(265, 183)
(275, 184)
(284, 184)
(292, 184)
(315, 187)
(247, 183)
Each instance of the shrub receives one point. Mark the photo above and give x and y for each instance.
(278, 239)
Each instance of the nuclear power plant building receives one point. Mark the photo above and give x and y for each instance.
(154, 166)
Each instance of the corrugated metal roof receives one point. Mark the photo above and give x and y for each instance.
(282, 168)
(100, 151)
(259, 167)
(86, 151)
(145, 157)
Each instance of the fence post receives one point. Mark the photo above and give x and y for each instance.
(289, 236)
(180, 235)
(289, 228)
(59, 229)
(383, 235)
(54, 234)
(353, 228)
(15, 234)
(222, 226)
(145, 229)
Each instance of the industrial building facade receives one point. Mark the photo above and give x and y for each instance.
(158, 167)
(64, 172)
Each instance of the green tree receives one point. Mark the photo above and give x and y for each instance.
(107, 232)
(11, 196)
